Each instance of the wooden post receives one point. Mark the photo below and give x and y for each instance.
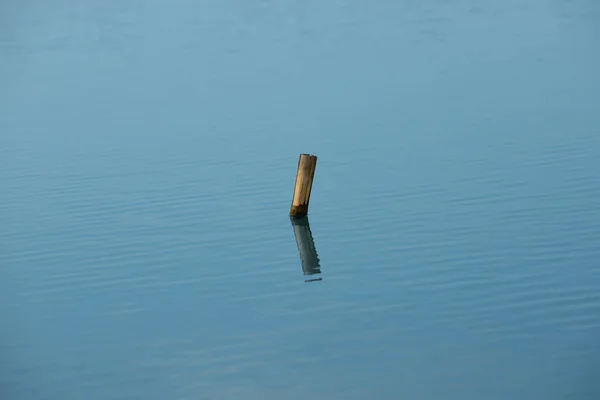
(306, 247)
(304, 180)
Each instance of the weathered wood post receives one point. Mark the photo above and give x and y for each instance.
(304, 180)
(306, 247)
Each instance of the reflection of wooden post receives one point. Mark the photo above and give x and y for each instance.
(304, 181)
(306, 246)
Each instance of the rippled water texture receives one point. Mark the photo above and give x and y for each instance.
(148, 151)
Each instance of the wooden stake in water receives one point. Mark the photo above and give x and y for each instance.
(304, 180)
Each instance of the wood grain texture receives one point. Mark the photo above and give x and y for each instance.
(304, 180)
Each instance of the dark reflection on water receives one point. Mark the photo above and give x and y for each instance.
(306, 247)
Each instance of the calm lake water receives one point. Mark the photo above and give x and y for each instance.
(148, 151)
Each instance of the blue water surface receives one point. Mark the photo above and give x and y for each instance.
(148, 151)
